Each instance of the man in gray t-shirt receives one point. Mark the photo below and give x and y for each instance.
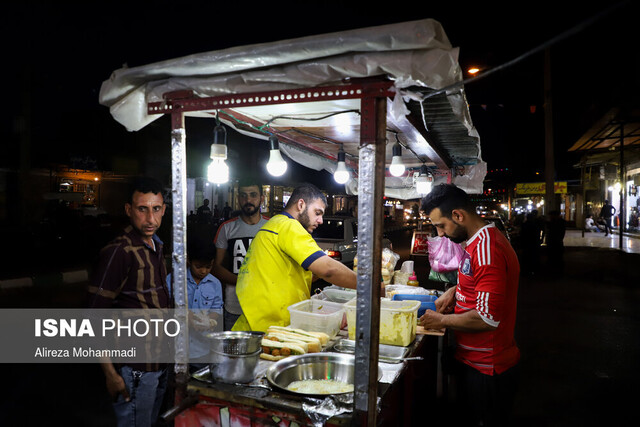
(232, 241)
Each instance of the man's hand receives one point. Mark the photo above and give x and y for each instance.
(431, 320)
(115, 383)
(447, 301)
(116, 386)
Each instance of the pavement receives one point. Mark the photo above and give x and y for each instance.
(578, 238)
(577, 330)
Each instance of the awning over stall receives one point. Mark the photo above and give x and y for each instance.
(415, 58)
(613, 129)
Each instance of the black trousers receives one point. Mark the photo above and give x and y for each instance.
(485, 400)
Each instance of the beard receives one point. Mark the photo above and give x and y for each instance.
(459, 235)
(304, 219)
(249, 210)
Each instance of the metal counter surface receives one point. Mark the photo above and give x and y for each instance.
(258, 397)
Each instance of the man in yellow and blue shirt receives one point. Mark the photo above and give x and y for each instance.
(282, 260)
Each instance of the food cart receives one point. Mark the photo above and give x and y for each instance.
(354, 94)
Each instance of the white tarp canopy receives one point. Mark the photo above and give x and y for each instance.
(416, 56)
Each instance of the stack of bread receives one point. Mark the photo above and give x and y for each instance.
(280, 342)
(389, 260)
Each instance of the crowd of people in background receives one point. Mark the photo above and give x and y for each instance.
(205, 215)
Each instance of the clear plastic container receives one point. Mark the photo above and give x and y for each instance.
(318, 316)
(391, 290)
(398, 321)
(335, 295)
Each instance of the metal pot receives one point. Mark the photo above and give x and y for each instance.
(234, 355)
(235, 342)
(234, 368)
(312, 366)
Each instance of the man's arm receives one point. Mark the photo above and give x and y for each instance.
(467, 322)
(447, 301)
(115, 383)
(334, 272)
(224, 275)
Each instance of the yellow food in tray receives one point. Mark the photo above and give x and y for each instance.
(280, 342)
(320, 387)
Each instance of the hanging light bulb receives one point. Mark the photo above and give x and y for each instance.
(341, 175)
(276, 165)
(424, 181)
(397, 167)
(218, 171)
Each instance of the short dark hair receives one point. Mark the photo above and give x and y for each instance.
(200, 249)
(447, 197)
(144, 184)
(250, 182)
(306, 192)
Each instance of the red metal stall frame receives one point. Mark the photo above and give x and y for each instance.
(373, 96)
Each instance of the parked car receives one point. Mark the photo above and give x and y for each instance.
(338, 238)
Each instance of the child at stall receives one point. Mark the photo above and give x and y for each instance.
(204, 296)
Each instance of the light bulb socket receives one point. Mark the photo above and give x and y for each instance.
(219, 135)
(341, 155)
(218, 151)
(424, 170)
(397, 150)
(273, 141)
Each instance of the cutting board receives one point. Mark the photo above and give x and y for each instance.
(422, 331)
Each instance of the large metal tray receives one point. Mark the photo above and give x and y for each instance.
(312, 366)
(386, 353)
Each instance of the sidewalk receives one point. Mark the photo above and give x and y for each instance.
(630, 242)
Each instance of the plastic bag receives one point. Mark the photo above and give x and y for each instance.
(444, 255)
(389, 261)
(445, 276)
(391, 290)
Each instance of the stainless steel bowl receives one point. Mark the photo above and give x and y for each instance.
(312, 366)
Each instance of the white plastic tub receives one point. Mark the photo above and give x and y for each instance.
(317, 315)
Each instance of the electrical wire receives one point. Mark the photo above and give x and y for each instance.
(268, 122)
(584, 24)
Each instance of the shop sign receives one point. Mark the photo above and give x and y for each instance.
(419, 243)
(559, 187)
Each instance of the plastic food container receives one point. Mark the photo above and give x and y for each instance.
(335, 295)
(398, 321)
(391, 290)
(317, 315)
(427, 302)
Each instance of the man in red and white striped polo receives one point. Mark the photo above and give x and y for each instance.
(481, 309)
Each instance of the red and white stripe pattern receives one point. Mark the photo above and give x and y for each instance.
(482, 307)
(484, 247)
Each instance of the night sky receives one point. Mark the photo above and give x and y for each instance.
(58, 55)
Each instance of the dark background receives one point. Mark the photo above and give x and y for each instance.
(58, 54)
